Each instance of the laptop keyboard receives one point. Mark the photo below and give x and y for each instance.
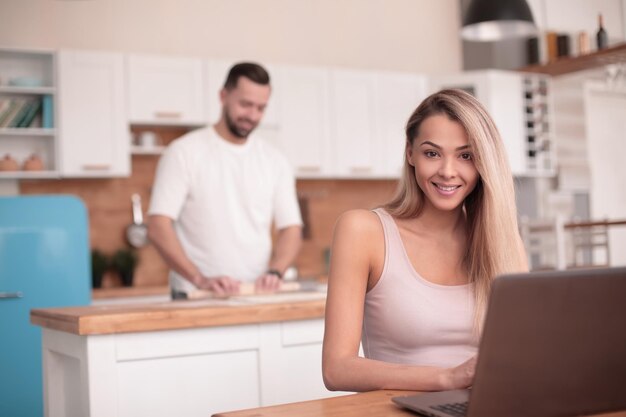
(453, 409)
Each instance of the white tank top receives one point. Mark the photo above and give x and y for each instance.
(410, 320)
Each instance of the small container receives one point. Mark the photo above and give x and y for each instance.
(149, 140)
(7, 163)
(583, 43)
(33, 163)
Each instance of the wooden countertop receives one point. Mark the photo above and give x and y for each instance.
(374, 403)
(123, 292)
(107, 319)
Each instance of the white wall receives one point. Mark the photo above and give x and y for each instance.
(412, 35)
(605, 108)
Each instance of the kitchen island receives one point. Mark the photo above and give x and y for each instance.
(190, 358)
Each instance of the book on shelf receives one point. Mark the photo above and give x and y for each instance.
(14, 109)
(19, 116)
(33, 109)
(5, 103)
(47, 112)
(20, 112)
(5, 108)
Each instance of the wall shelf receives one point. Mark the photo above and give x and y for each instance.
(14, 175)
(141, 150)
(27, 90)
(566, 65)
(27, 131)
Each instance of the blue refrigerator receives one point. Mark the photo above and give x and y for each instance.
(44, 262)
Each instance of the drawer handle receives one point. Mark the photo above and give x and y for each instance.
(96, 167)
(17, 294)
(360, 170)
(167, 114)
(309, 169)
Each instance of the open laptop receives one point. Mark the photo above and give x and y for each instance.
(553, 344)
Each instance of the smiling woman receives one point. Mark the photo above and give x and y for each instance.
(426, 259)
(444, 167)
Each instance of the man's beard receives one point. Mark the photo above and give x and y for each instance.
(236, 130)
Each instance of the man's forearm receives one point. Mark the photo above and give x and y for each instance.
(163, 236)
(288, 243)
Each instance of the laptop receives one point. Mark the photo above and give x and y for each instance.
(553, 344)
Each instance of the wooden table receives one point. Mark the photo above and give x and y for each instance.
(375, 403)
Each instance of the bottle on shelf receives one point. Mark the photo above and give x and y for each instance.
(602, 39)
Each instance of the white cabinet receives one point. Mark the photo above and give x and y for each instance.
(521, 108)
(397, 96)
(196, 372)
(369, 112)
(94, 138)
(28, 102)
(353, 125)
(304, 127)
(166, 91)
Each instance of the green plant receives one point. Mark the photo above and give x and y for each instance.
(99, 264)
(124, 261)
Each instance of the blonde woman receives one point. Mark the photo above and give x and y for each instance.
(411, 280)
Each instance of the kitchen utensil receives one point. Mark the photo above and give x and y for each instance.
(137, 232)
(149, 139)
(247, 288)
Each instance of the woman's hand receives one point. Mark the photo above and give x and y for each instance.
(460, 376)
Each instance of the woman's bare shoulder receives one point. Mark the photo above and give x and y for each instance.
(358, 221)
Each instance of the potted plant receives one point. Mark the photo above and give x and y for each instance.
(99, 264)
(124, 262)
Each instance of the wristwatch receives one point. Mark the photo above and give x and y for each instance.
(275, 272)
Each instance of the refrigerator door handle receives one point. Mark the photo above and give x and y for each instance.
(17, 294)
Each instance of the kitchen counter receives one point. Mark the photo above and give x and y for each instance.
(188, 357)
(108, 319)
(126, 292)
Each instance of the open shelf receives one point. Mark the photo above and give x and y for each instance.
(141, 150)
(566, 65)
(27, 90)
(28, 175)
(27, 131)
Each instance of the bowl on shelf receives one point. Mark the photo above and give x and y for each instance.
(25, 82)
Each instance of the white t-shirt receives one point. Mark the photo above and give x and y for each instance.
(223, 198)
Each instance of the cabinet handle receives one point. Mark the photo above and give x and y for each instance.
(309, 169)
(17, 294)
(96, 167)
(167, 115)
(360, 170)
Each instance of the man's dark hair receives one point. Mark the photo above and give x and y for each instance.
(254, 72)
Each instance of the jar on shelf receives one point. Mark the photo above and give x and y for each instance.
(8, 163)
(33, 163)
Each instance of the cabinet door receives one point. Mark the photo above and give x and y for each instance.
(166, 90)
(94, 140)
(304, 129)
(397, 96)
(353, 125)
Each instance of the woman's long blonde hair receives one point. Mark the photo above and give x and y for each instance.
(494, 245)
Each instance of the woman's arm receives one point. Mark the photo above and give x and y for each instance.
(357, 240)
